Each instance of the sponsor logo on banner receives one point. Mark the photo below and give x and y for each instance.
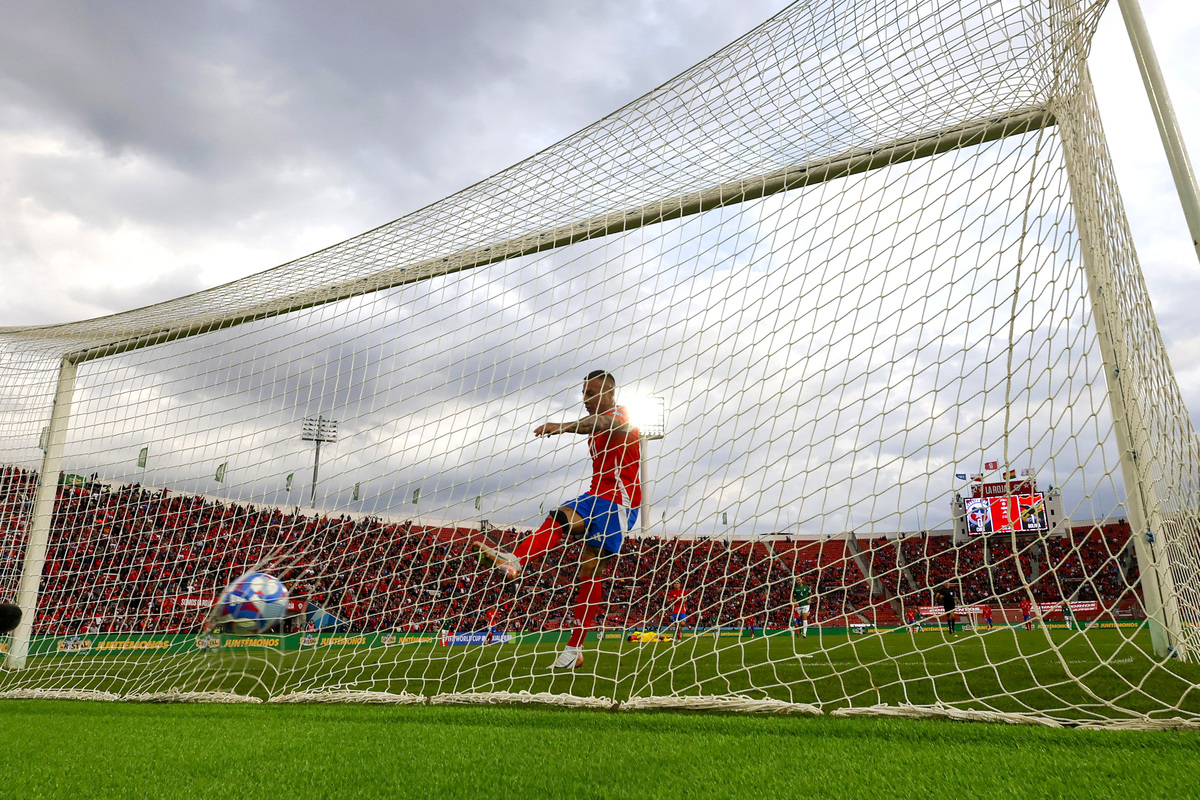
(1003, 489)
(208, 641)
(476, 638)
(343, 641)
(133, 644)
(391, 638)
(315, 640)
(194, 602)
(75, 644)
(937, 611)
(294, 605)
(239, 643)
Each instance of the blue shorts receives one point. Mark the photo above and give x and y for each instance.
(678, 617)
(605, 521)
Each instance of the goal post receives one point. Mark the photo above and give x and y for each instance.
(1106, 249)
(42, 515)
(873, 273)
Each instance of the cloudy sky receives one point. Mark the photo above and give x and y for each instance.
(148, 150)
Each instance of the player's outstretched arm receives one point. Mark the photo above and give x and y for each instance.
(593, 423)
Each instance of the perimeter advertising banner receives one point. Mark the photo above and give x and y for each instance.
(474, 638)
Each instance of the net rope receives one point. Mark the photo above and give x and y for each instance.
(860, 254)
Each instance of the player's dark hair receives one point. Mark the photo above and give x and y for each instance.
(602, 373)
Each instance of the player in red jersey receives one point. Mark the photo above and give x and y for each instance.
(678, 603)
(600, 516)
(491, 618)
(987, 615)
(1027, 613)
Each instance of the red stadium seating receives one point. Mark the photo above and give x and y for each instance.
(134, 559)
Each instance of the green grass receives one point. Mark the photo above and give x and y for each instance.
(73, 749)
(1062, 674)
(63, 749)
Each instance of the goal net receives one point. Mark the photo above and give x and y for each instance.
(865, 284)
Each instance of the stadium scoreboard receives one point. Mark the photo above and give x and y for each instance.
(1006, 506)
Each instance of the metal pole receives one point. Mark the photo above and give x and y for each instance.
(1164, 115)
(43, 514)
(643, 472)
(316, 463)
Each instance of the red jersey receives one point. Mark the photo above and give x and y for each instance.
(678, 602)
(491, 616)
(616, 459)
(1026, 607)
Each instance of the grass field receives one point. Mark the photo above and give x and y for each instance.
(73, 749)
(1066, 675)
(66, 749)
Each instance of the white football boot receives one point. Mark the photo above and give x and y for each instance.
(569, 658)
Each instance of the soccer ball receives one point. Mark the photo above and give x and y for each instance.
(252, 604)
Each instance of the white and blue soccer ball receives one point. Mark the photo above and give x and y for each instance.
(252, 604)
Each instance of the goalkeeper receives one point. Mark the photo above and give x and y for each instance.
(801, 603)
(600, 516)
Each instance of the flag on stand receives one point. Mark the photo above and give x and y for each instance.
(1010, 475)
(991, 465)
(962, 476)
(355, 497)
(143, 454)
(287, 485)
(478, 502)
(221, 472)
(416, 496)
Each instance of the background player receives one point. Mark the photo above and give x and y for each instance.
(949, 602)
(678, 603)
(910, 615)
(801, 603)
(491, 621)
(1027, 614)
(600, 516)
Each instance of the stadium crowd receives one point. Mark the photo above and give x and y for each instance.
(134, 559)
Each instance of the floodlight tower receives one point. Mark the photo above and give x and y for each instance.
(654, 426)
(318, 429)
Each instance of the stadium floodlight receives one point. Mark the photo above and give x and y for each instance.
(649, 415)
(318, 429)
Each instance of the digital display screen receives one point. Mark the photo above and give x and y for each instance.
(1018, 512)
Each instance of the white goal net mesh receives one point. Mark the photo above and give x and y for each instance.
(870, 265)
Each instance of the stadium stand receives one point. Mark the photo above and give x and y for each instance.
(135, 559)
